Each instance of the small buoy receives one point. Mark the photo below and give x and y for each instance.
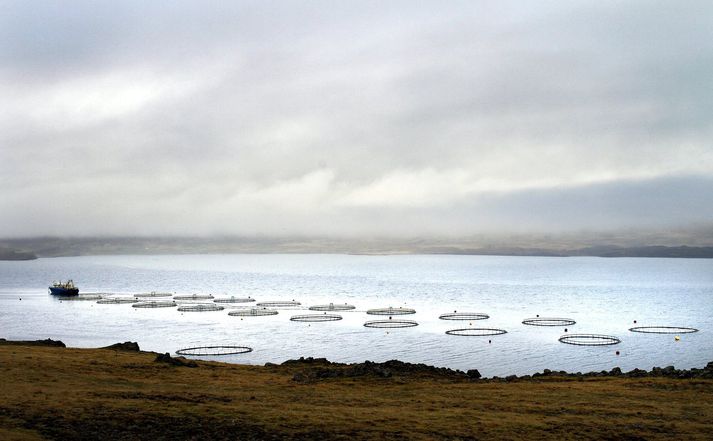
(565, 329)
(538, 315)
(617, 352)
(490, 341)
(387, 332)
(454, 311)
(634, 321)
(20, 298)
(470, 324)
(677, 338)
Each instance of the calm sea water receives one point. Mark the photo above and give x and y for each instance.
(604, 296)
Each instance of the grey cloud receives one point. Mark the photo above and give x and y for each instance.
(135, 110)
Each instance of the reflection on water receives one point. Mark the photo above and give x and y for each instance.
(604, 296)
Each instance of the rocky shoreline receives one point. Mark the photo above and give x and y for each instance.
(310, 369)
(315, 369)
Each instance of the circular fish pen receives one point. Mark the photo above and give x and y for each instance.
(548, 321)
(463, 316)
(154, 294)
(82, 297)
(476, 332)
(332, 307)
(316, 318)
(194, 297)
(589, 340)
(156, 304)
(391, 311)
(212, 351)
(279, 304)
(254, 312)
(390, 324)
(204, 307)
(663, 330)
(117, 300)
(233, 299)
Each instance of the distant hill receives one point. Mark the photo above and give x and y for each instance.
(55, 247)
(12, 254)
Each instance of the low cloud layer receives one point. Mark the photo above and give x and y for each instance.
(354, 118)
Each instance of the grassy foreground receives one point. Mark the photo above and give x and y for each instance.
(63, 393)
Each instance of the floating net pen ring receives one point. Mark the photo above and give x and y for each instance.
(548, 321)
(194, 297)
(390, 324)
(332, 307)
(464, 316)
(391, 311)
(589, 339)
(154, 294)
(316, 318)
(200, 307)
(279, 303)
(82, 297)
(234, 300)
(252, 312)
(156, 304)
(663, 329)
(214, 350)
(476, 332)
(118, 300)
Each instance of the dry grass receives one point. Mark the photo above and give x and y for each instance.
(93, 393)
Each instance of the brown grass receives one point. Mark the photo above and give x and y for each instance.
(92, 393)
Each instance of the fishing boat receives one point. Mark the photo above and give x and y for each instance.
(64, 288)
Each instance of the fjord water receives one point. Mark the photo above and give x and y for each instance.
(604, 296)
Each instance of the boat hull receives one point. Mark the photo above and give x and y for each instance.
(64, 291)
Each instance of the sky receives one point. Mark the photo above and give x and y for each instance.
(354, 118)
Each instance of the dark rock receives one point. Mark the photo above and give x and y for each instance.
(46, 342)
(473, 374)
(130, 346)
(177, 361)
(637, 373)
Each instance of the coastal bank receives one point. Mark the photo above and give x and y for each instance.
(120, 392)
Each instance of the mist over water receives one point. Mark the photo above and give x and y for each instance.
(604, 296)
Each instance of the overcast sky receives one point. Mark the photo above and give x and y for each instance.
(348, 118)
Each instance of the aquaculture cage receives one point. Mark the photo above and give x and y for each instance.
(254, 312)
(463, 316)
(233, 299)
(476, 332)
(117, 300)
(332, 307)
(548, 321)
(390, 324)
(154, 294)
(88, 296)
(663, 329)
(279, 303)
(156, 304)
(391, 311)
(589, 339)
(212, 351)
(316, 317)
(194, 297)
(201, 307)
